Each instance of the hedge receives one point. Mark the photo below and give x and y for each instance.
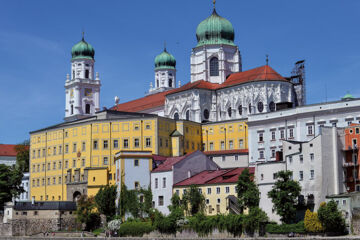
(135, 229)
(286, 228)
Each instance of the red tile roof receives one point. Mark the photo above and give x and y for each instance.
(221, 152)
(214, 177)
(169, 162)
(144, 103)
(263, 73)
(7, 150)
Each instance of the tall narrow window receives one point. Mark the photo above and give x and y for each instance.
(72, 109)
(176, 116)
(188, 115)
(73, 75)
(214, 67)
(170, 82)
(240, 110)
(87, 108)
(86, 73)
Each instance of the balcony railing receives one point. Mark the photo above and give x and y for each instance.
(350, 164)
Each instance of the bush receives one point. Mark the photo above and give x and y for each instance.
(312, 222)
(135, 229)
(93, 221)
(331, 218)
(234, 224)
(114, 225)
(252, 221)
(285, 228)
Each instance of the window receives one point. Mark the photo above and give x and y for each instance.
(66, 164)
(218, 190)
(241, 143)
(74, 163)
(311, 156)
(116, 143)
(240, 110)
(206, 114)
(187, 115)
(49, 166)
(222, 144)
(148, 142)
(126, 143)
(290, 159)
(106, 160)
(229, 110)
(166, 143)
(272, 107)
(177, 192)
(214, 67)
(310, 130)
(136, 142)
(136, 162)
(87, 108)
(105, 144)
(223, 158)
(211, 146)
(60, 149)
(262, 176)
(44, 152)
(231, 144)
(208, 190)
(148, 126)
(301, 175)
(273, 135)
(261, 154)
(95, 144)
(236, 157)
(83, 162)
(207, 201)
(83, 147)
(291, 133)
(176, 116)
(66, 148)
(72, 110)
(357, 130)
(282, 134)
(54, 180)
(273, 153)
(260, 106)
(156, 183)
(227, 189)
(86, 73)
(136, 185)
(192, 145)
(54, 166)
(249, 107)
(161, 201)
(312, 174)
(344, 202)
(164, 183)
(261, 137)
(48, 181)
(301, 157)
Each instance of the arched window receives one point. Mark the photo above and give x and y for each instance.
(240, 110)
(249, 107)
(260, 106)
(157, 82)
(229, 111)
(73, 77)
(87, 108)
(206, 114)
(86, 73)
(170, 82)
(72, 110)
(176, 116)
(214, 67)
(187, 115)
(272, 107)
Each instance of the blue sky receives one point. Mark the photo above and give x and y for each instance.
(36, 38)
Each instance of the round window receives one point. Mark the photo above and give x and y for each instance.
(206, 114)
(260, 106)
(229, 111)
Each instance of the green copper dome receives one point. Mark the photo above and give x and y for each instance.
(82, 50)
(347, 96)
(165, 61)
(215, 30)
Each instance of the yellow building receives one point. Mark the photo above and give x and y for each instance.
(75, 158)
(218, 188)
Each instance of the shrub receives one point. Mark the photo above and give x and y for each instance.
(331, 218)
(135, 229)
(234, 224)
(114, 224)
(93, 221)
(252, 221)
(285, 228)
(312, 222)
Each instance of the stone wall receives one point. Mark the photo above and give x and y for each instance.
(355, 221)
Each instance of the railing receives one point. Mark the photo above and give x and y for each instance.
(350, 164)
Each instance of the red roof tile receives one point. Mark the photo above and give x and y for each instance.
(221, 152)
(7, 150)
(214, 177)
(144, 103)
(196, 85)
(263, 73)
(169, 162)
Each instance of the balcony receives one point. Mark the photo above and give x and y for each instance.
(354, 147)
(351, 179)
(350, 164)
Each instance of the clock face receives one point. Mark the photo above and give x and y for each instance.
(72, 93)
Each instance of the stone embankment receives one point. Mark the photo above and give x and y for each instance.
(138, 238)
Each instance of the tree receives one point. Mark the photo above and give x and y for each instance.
(247, 191)
(331, 218)
(86, 213)
(10, 183)
(312, 222)
(253, 220)
(194, 199)
(105, 201)
(22, 156)
(284, 195)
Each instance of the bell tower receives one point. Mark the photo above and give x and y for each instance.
(82, 89)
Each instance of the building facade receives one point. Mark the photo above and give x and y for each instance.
(7, 154)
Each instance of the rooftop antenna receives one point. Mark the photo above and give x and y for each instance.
(267, 59)
(82, 34)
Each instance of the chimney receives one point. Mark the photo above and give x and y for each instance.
(32, 200)
(189, 174)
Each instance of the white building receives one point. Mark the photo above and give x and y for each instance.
(268, 130)
(315, 164)
(7, 154)
(82, 89)
(23, 197)
(172, 171)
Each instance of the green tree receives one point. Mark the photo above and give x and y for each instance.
(331, 218)
(105, 201)
(253, 220)
(10, 183)
(86, 213)
(193, 201)
(22, 156)
(247, 191)
(136, 202)
(284, 195)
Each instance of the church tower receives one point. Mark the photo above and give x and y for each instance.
(165, 73)
(82, 90)
(215, 56)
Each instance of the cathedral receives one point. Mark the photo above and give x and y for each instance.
(218, 90)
